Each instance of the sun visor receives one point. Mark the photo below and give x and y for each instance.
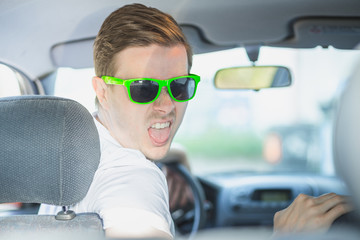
(74, 54)
(199, 42)
(342, 33)
(79, 53)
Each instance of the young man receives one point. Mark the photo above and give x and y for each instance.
(143, 82)
(137, 119)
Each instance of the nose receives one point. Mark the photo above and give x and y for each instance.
(164, 103)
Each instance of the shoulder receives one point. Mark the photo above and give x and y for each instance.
(131, 177)
(125, 177)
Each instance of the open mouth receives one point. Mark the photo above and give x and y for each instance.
(159, 133)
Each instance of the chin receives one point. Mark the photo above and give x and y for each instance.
(157, 153)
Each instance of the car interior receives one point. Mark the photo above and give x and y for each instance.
(275, 113)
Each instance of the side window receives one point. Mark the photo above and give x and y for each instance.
(13, 83)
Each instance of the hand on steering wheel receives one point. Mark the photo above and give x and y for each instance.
(186, 199)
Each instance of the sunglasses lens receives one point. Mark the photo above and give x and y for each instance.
(143, 91)
(183, 88)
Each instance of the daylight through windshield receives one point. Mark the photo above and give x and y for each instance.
(284, 129)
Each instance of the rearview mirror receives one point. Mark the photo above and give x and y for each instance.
(253, 77)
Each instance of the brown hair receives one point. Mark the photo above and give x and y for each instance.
(135, 25)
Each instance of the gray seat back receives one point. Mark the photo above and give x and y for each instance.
(49, 152)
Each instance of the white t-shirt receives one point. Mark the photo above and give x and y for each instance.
(128, 191)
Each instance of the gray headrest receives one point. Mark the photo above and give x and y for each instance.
(347, 136)
(49, 150)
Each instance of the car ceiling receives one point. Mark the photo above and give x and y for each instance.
(39, 35)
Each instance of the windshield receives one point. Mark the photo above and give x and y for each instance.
(273, 130)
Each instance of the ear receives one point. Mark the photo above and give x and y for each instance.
(100, 89)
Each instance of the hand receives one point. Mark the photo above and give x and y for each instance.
(311, 214)
(180, 194)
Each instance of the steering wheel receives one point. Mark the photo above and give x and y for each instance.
(191, 218)
(350, 219)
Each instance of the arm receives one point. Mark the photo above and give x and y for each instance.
(131, 197)
(122, 221)
(154, 233)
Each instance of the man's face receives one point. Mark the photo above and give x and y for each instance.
(149, 128)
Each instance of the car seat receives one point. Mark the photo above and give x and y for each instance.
(49, 152)
(347, 137)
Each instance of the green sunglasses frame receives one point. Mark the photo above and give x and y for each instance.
(162, 83)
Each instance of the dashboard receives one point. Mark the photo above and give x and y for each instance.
(244, 198)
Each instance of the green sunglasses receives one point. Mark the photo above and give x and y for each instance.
(147, 90)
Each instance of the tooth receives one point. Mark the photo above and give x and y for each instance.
(160, 125)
